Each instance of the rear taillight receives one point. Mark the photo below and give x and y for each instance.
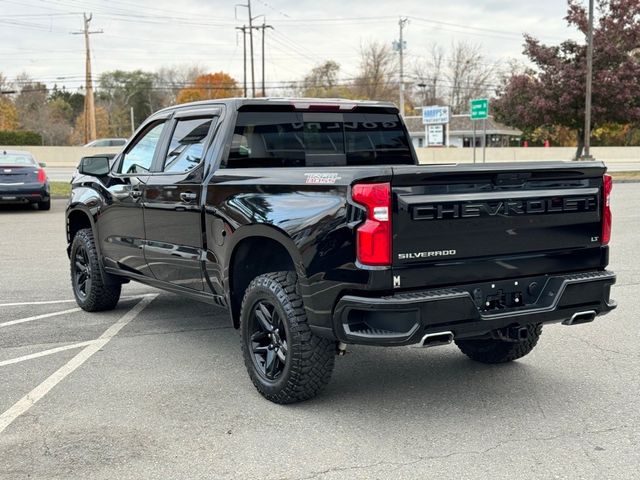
(607, 185)
(373, 241)
(42, 176)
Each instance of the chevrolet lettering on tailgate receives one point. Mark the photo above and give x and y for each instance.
(505, 208)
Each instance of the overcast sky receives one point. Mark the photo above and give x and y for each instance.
(147, 34)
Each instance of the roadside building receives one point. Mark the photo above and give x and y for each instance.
(461, 132)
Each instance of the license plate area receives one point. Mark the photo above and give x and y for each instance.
(507, 295)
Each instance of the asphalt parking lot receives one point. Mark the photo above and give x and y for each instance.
(157, 388)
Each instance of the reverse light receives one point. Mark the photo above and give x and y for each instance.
(607, 186)
(42, 176)
(373, 240)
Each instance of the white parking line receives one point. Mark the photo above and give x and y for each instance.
(38, 317)
(44, 353)
(72, 300)
(30, 399)
(44, 302)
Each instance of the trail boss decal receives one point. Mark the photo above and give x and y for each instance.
(322, 178)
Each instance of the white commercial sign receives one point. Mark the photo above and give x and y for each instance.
(435, 135)
(435, 115)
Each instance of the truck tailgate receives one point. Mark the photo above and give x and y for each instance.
(494, 220)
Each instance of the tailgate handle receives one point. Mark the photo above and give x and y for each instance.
(512, 178)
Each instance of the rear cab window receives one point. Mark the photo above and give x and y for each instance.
(302, 139)
(17, 160)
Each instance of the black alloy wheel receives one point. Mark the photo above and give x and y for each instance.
(285, 360)
(94, 289)
(268, 340)
(81, 272)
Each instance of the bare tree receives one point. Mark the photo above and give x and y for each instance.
(322, 81)
(429, 74)
(469, 75)
(376, 78)
(37, 113)
(31, 103)
(169, 80)
(4, 83)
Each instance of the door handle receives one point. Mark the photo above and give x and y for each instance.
(188, 197)
(136, 193)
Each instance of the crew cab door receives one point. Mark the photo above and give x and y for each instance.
(172, 201)
(121, 226)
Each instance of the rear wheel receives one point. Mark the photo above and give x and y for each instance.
(500, 351)
(287, 363)
(89, 288)
(44, 205)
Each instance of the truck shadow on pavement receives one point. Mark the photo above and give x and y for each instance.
(441, 380)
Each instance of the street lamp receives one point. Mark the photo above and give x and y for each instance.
(587, 110)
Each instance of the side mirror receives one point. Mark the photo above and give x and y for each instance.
(42, 164)
(96, 166)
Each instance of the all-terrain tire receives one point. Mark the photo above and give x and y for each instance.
(98, 295)
(45, 205)
(500, 351)
(309, 358)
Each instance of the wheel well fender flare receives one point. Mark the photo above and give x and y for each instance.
(267, 231)
(73, 210)
(271, 233)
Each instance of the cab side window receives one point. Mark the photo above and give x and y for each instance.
(187, 145)
(139, 157)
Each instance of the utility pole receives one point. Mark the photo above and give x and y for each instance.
(400, 48)
(243, 29)
(253, 73)
(89, 105)
(251, 28)
(587, 109)
(263, 27)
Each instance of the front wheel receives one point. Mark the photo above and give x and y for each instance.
(89, 288)
(500, 351)
(287, 363)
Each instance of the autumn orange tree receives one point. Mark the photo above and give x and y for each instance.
(208, 86)
(8, 115)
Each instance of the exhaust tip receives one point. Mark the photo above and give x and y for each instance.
(436, 339)
(581, 317)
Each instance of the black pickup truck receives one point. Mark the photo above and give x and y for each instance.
(314, 224)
